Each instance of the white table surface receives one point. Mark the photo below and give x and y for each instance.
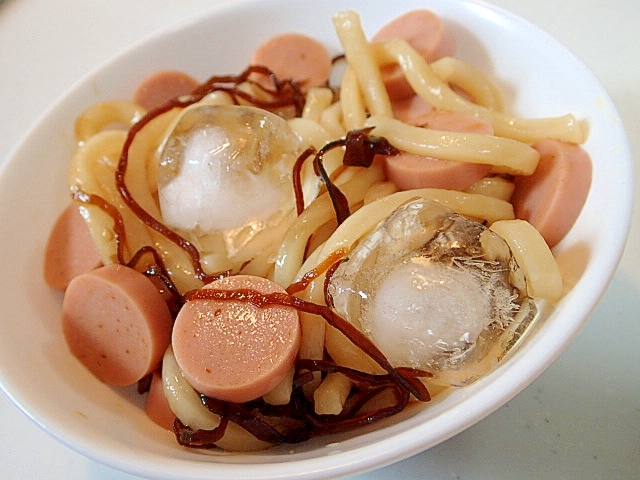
(579, 420)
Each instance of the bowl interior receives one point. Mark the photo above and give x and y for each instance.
(538, 76)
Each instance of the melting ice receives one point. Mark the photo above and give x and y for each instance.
(226, 166)
(432, 289)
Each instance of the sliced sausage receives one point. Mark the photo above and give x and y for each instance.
(116, 323)
(294, 56)
(232, 350)
(552, 197)
(162, 86)
(157, 406)
(410, 171)
(424, 31)
(409, 108)
(70, 250)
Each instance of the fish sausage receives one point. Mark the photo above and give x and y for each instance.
(162, 86)
(424, 31)
(116, 323)
(294, 56)
(232, 350)
(157, 406)
(552, 197)
(408, 171)
(70, 250)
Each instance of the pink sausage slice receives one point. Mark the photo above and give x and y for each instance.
(410, 171)
(232, 350)
(294, 56)
(162, 86)
(409, 108)
(157, 406)
(424, 31)
(116, 323)
(70, 250)
(552, 197)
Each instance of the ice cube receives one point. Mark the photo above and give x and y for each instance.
(432, 289)
(424, 309)
(226, 167)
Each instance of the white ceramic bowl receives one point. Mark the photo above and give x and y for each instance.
(540, 77)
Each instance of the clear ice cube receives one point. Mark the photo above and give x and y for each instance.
(433, 290)
(224, 166)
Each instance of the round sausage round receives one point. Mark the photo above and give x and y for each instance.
(157, 406)
(232, 350)
(552, 197)
(424, 31)
(408, 171)
(294, 56)
(116, 323)
(162, 86)
(70, 250)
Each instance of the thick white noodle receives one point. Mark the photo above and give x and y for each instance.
(439, 94)
(505, 154)
(291, 252)
(360, 56)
